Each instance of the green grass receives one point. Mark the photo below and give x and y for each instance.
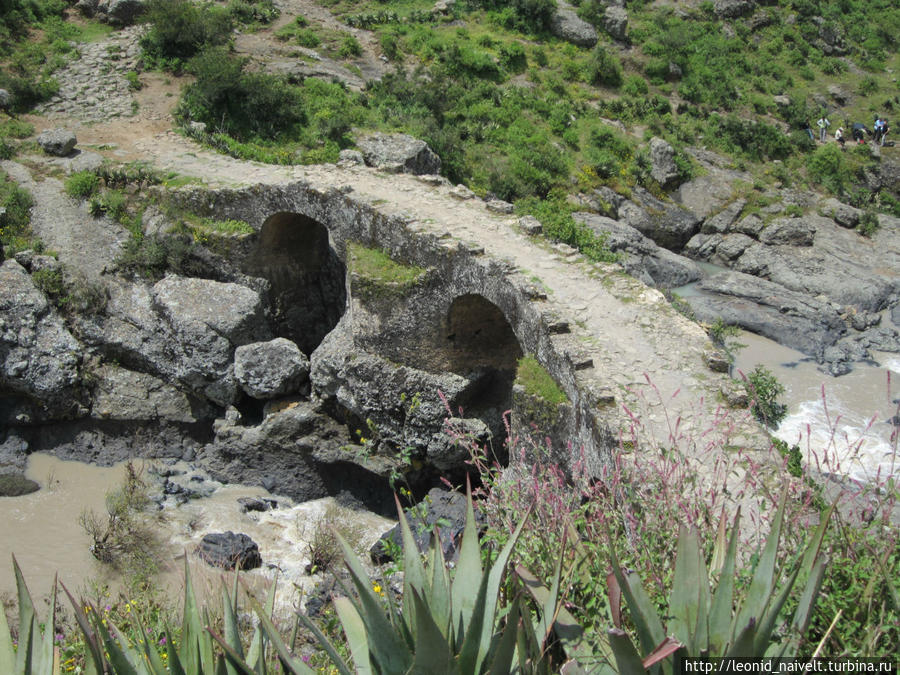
(376, 266)
(538, 382)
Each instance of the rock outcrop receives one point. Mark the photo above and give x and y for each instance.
(59, 142)
(229, 551)
(267, 370)
(567, 25)
(399, 153)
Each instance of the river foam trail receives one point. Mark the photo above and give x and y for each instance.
(842, 424)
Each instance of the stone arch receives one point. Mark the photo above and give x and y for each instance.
(479, 343)
(308, 279)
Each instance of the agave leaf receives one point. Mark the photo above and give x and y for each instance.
(150, 653)
(720, 614)
(174, 661)
(766, 624)
(565, 626)
(190, 651)
(413, 571)
(761, 587)
(290, 663)
(94, 660)
(7, 654)
(743, 642)
(439, 599)
(804, 608)
(355, 631)
(44, 661)
(120, 661)
(686, 598)
(646, 621)
(628, 661)
(233, 660)
(432, 652)
(232, 633)
(256, 653)
(492, 591)
(471, 634)
(26, 623)
(720, 549)
(336, 659)
(502, 656)
(389, 649)
(468, 569)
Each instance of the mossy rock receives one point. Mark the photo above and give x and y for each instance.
(16, 485)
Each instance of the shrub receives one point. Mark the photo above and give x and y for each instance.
(828, 167)
(349, 47)
(390, 45)
(604, 68)
(243, 105)
(868, 223)
(764, 389)
(538, 382)
(180, 29)
(82, 184)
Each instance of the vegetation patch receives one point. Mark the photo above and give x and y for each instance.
(538, 382)
(376, 273)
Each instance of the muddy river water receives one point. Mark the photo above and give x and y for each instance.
(44, 533)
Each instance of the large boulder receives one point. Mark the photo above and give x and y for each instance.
(666, 223)
(442, 512)
(730, 9)
(662, 162)
(723, 220)
(790, 318)
(399, 153)
(270, 369)
(640, 257)
(121, 394)
(615, 22)
(183, 331)
(567, 25)
(59, 142)
(5, 99)
(39, 357)
(122, 12)
(229, 551)
(790, 231)
(16, 485)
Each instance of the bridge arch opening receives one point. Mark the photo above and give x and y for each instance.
(479, 343)
(308, 279)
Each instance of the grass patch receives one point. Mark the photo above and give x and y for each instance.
(376, 266)
(538, 382)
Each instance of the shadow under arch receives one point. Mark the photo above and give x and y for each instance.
(308, 279)
(478, 342)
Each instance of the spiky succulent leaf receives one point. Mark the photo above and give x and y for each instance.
(7, 654)
(720, 613)
(647, 622)
(433, 654)
(468, 569)
(388, 648)
(413, 570)
(628, 661)
(759, 595)
(290, 663)
(355, 630)
(439, 594)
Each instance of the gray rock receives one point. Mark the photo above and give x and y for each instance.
(499, 206)
(16, 485)
(781, 101)
(462, 193)
(640, 256)
(59, 142)
(229, 551)
(87, 7)
(790, 318)
(530, 225)
(662, 161)
(351, 157)
(730, 248)
(566, 25)
(667, 224)
(121, 394)
(791, 231)
(843, 214)
(254, 504)
(839, 94)
(5, 99)
(724, 219)
(451, 448)
(730, 9)
(444, 513)
(85, 161)
(399, 153)
(615, 22)
(271, 369)
(39, 358)
(123, 12)
(751, 225)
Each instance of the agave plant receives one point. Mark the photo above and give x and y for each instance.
(458, 625)
(702, 622)
(35, 652)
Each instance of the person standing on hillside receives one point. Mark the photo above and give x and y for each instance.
(839, 136)
(823, 125)
(877, 129)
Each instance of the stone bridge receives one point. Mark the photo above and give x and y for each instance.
(489, 294)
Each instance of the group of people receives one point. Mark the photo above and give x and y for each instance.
(858, 131)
